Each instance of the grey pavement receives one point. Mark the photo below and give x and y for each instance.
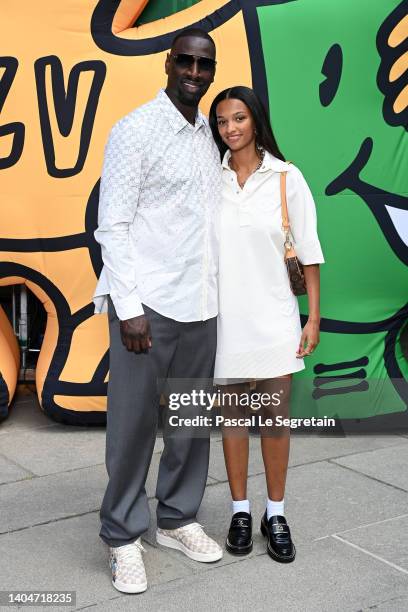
(346, 502)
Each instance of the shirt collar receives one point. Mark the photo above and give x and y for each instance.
(175, 118)
(270, 162)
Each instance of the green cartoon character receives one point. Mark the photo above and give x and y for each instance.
(333, 75)
(338, 100)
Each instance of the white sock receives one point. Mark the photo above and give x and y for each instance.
(240, 506)
(275, 507)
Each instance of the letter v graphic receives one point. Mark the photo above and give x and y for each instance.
(64, 105)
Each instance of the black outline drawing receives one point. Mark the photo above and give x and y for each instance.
(16, 127)
(64, 101)
(64, 105)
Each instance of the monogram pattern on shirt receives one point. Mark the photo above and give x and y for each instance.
(160, 196)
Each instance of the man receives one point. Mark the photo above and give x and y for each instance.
(160, 194)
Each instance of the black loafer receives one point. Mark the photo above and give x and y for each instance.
(279, 543)
(239, 540)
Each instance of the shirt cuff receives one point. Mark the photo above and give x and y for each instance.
(309, 252)
(127, 307)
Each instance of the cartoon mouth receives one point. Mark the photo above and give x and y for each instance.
(389, 209)
(399, 218)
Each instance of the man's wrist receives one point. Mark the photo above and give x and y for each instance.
(131, 318)
(128, 307)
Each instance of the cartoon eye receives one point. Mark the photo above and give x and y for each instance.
(332, 69)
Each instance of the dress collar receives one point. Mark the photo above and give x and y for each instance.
(270, 162)
(175, 118)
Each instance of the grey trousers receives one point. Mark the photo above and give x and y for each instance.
(179, 351)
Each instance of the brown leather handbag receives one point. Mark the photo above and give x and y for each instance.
(293, 265)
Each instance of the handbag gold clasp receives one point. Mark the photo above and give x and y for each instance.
(288, 243)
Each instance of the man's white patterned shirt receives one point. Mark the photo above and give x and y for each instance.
(158, 214)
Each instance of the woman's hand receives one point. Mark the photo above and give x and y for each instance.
(309, 339)
(310, 334)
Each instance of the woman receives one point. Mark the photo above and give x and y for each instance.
(260, 340)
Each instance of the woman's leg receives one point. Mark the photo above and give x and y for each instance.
(275, 453)
(236, 450)
(235, 441)
(275, 441)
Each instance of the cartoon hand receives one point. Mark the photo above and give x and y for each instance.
(391, 77)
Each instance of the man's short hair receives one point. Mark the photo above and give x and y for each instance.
(194, 33)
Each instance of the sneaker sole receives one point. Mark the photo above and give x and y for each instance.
(196, 556)
(130, 588)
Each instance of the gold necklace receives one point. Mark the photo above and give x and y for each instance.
(262, 155)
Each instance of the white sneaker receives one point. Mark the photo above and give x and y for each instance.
(128, 570)
(192, 541)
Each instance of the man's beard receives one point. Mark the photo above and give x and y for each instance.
(191, 99)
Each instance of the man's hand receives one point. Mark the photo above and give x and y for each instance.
(136, 335)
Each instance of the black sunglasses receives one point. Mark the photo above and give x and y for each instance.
(184, 61)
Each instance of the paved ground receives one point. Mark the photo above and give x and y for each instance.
(347, 504)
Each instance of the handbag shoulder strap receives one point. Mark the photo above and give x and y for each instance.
(284, 204)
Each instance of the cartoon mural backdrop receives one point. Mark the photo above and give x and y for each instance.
(334, 75)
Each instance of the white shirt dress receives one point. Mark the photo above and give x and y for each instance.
(258, 323)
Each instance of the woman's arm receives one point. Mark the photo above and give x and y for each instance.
(302, 216)
(310, 335)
